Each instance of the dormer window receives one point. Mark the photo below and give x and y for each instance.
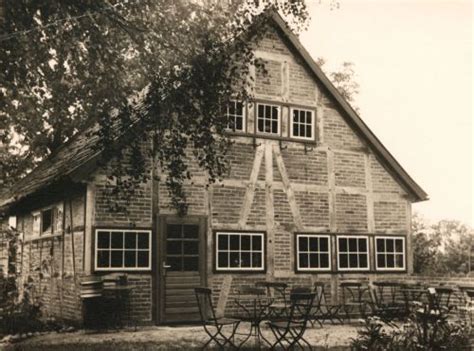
(268, 119)
(236, 116)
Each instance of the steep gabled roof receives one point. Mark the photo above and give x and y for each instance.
(68, 161)
(350, 115)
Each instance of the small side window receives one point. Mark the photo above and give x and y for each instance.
(236, 116)
(47, 221)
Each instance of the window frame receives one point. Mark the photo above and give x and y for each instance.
(263, 251)
(298, 269)
(349, 269)
(122, 230)
(313, 124)
(244, 117)
(393, 269)
(279, 120)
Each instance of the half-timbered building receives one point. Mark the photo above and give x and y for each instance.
(311, 195)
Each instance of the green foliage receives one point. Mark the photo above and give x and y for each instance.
(74, 64)
(441, 248)
(343, 79)
(372, 336)
(420, 332)
(19, 311)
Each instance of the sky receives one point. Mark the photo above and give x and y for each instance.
(413, 62)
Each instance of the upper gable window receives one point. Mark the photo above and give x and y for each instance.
(302, 123)
(268, 119)
(236, 116)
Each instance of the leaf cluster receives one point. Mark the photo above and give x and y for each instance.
(154, 75)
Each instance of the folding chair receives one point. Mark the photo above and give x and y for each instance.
(324, 310)
(467, 303)
(353, 299)
(213, 326)
(289, 331)
(277, 292)
(386, 311)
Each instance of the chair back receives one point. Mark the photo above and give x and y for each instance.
(301, 303)
(352, 291)
(320, 298)
(204, 301)
(374, 298)
(275, 290)
(250, 290)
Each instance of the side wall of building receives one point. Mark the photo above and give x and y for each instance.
(52, 261)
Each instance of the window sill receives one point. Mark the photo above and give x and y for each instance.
(42, 237)
(274, 137)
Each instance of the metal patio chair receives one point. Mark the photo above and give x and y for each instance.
(354, 301)
(289, 330)
(467, 303)
(277, 292)
(213, 325)
(323, 310)
(387, 311)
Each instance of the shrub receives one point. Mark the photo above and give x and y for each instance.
(423, 330)
(19, 311)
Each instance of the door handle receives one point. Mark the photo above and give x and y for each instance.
(166, 265)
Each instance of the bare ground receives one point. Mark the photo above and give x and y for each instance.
(330, 337)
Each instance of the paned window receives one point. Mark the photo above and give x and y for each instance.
(390, 253)
(313, 252)
(353, 253)
(240, 251)
(268, 119)
(182, 247)
(126, 249)
(302, 124)
(236, 116)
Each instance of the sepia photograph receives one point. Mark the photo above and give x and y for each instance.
(236, 175)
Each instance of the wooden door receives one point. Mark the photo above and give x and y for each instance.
(182, 267)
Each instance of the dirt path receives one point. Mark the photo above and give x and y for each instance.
(333, 337)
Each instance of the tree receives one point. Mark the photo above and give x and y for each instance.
(343, 79)
(442, 247)
(425, 247)
(165, 67)
(66, 65)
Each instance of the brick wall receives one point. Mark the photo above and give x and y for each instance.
(390, 216)
(314, 208)
(306, 168)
